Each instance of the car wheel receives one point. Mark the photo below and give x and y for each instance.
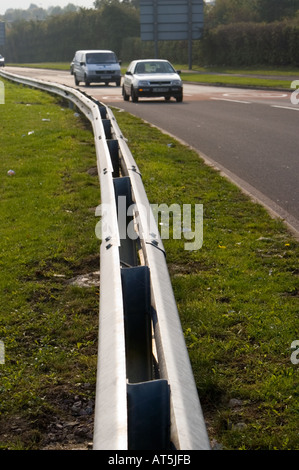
(125, 96)
(179, 98)
(167, 98)
(134, 95)
(117, 82)
(87, 83)
(76, 80)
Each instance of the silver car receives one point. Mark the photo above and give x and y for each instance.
(2, 61)
(152, 78)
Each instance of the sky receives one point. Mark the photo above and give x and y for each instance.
(24, 4)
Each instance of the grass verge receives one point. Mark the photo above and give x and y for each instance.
(231, 80)
(238, 296)
(47, 324)
(261, 77)
(44, 65)
(283, 71)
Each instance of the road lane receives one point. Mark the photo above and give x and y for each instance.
(256, 143)
(251, 135)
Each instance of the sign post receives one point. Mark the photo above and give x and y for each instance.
(2, 33)
(171, 20)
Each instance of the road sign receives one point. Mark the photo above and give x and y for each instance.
(171, 20)
(2, 33)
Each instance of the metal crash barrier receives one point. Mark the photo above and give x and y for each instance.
(146, 397)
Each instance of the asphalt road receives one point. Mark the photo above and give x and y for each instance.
(250, 135)
(253, 142)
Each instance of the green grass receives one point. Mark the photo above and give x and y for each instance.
(238, 296)
(44, 65)
(48, 326)
(283, 71)
(264, 77)
(207, 75)
(231, 80)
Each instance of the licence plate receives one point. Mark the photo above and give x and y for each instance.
(158, 90)
(103, 75)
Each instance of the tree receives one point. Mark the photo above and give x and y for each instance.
(236, 11)
(100, 3)
(230, 11)
(59, 36)
(273, 10)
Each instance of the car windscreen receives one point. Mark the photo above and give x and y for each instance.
(101, 58)
(154, 67)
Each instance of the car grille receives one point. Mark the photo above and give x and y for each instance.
(103, 72)
(161, 83)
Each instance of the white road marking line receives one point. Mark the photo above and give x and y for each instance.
(231, 101)
(253, 94)
(284, 107)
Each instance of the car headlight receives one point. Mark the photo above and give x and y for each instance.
(176, 82)
(143, 83)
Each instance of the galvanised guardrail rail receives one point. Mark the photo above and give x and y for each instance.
(146, 397)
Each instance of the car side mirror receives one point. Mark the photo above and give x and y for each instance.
(128, 73)
(119, 62)
(179, 72)
(82, 63)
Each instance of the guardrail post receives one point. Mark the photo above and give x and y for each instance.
(103, 110)
(107, 128)
(149, 415)
(123, 196)
(138, 333)
(114, 154)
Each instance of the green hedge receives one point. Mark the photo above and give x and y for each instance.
(235, 44)
(245, 44)
(175, 51)
(57, 38)
(116, 27)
